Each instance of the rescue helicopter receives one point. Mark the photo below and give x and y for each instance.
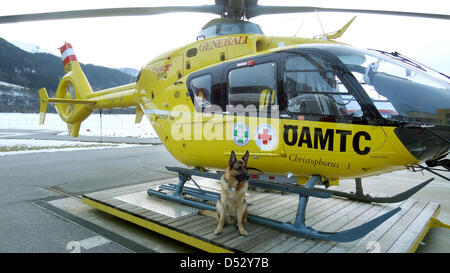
(310, 111)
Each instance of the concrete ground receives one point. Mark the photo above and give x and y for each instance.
(27, 225)
(40, 209)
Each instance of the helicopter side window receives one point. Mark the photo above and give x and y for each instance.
(312, 87)
(201, 88)
(253, 86)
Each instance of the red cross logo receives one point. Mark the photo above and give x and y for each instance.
(265, 136)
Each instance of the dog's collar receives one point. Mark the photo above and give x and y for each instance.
(225, 178)
(228, 182)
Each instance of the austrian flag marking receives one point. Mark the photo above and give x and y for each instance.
(67, 54)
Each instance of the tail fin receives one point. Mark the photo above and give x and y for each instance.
(67, 56)
(74, 97)
(336, 34)
(43, 98)
(80, 88)
(72, 94)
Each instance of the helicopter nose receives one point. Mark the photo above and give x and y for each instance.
(425, 143)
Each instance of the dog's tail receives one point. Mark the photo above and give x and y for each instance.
(208, 213)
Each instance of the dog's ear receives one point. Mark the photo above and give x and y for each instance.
(245, 157)
(232, 160)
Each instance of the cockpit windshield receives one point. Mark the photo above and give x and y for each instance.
(400, 89)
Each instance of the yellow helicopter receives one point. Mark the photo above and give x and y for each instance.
(309, 110)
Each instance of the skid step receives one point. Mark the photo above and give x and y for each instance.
(202, 194)
(199, 193)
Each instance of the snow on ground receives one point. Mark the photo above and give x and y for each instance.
(26, 146)
(10, 85)
(113, 125)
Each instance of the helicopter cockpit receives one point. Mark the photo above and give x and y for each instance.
(224, 26)
(335, 83)
(313, 87)
(401, 89)
(406, 94)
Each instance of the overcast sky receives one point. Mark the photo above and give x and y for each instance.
(134, 41)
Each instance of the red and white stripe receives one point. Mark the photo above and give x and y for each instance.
(67, 54)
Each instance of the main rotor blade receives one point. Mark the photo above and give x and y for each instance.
(90, 13)
(253, 11)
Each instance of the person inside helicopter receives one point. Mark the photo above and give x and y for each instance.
(201, 87)
(313, 88)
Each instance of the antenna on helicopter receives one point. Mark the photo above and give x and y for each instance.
(324, 36)
(298, 30)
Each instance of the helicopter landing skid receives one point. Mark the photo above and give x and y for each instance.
(358, 195)
(297, 228)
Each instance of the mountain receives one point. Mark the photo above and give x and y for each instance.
(29, 47)
(32, 71)
(130, 71)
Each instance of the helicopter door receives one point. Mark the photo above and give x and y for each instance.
(252, 109)
(325, 130)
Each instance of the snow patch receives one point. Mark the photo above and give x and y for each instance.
(114, 125)
(12, 86)
(27, 146)
(30, 47)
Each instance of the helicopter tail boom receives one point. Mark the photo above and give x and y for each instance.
(74, 99)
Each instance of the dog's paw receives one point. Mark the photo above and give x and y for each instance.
(243, 232)
(217, 231)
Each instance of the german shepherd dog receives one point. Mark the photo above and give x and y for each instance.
(232, 207)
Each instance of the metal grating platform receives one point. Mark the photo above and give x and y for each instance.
(401, 233)
(143, 200)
